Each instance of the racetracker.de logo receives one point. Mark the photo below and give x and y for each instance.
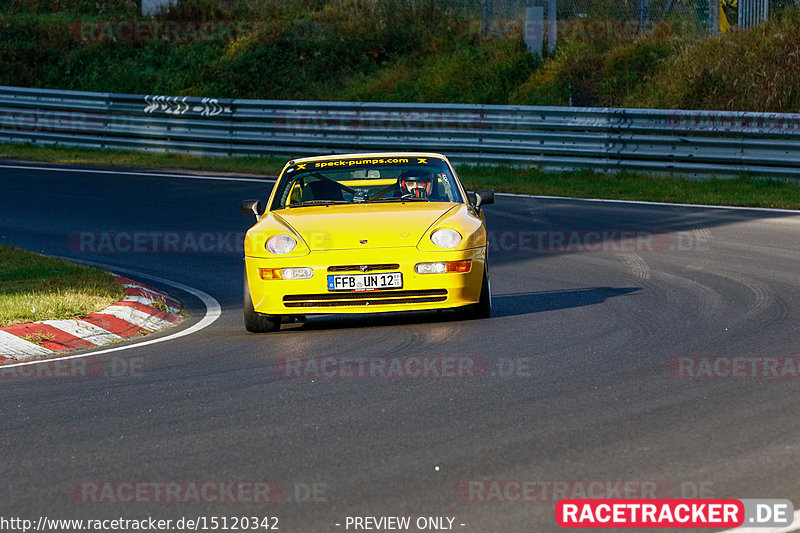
(650, 513)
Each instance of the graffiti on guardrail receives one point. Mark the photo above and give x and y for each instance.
(303, 119)
(721, 122)
(177, 105)
(171, 105)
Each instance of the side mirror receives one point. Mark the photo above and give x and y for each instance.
(472, 198)
(484, 197)
(252, 207)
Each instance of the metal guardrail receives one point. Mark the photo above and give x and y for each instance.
(697, 143)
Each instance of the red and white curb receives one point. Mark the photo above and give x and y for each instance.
(135, 314)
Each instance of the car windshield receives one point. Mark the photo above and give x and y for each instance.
(349, 181)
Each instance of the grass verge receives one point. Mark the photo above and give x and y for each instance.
(128, 159)
(743, 191)
(34, 287)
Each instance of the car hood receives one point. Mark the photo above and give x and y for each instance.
(359, 226)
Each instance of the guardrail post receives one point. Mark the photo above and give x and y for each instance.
(713, 16)
(644, 16)
(534, 28)
(151, 7)
(552, 25)
(487, 12)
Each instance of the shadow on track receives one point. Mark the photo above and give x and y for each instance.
(536, 302)
(504, 305)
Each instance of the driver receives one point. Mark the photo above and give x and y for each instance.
(416, 183)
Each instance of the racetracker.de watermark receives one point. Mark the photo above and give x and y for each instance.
(577, 29)
(51, 121)
(399, 367)
(403, 367)
(734, 367)
(78, 368)
(541, 491)
(590, 241)
(198, 491)
(171, 31)
(178, 492)
(550, 491)
(156, 242)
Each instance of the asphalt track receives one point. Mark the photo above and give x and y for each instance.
(588, 334)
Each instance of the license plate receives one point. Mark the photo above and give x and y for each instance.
(365, 282)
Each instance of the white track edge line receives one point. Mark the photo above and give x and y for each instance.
(794, 526)
(213, 312)
(147, 174)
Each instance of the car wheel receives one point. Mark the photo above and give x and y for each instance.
(482, 309)
(257, 322)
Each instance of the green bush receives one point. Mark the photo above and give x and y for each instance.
(472, 72)
(74, 7)
(591, 73)
(752, 70)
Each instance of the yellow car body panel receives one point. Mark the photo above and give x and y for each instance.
(376, 238)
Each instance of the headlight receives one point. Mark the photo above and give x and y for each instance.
(280, 244)
(446, 238)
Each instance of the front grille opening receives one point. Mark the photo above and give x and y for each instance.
(363, 268)
(364, 298)
(363, 294)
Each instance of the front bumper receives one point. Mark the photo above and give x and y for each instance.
(419, 291)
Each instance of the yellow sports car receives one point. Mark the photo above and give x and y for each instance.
(366, 233)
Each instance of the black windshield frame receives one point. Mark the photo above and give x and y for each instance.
(346, 172)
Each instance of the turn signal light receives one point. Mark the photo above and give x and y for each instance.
(270, 273)
(459, 266)
(286, 273)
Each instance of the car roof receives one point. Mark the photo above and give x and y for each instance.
(367, 155)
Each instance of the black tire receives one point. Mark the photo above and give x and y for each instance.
(256, 322)
(482, 309)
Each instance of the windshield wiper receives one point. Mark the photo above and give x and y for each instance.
(319, 202)
(397, 199)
